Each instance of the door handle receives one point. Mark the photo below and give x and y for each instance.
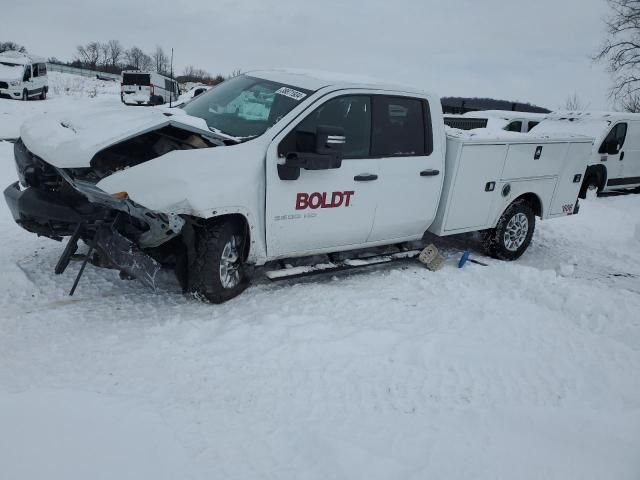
(621, 156)
(429, 173)
(365, 177)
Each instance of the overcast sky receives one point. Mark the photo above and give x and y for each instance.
(523, 50)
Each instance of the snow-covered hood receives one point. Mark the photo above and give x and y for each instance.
(71, 140)
(11, 72)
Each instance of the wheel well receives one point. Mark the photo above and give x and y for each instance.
(239, 220)
(534, 202)
(599, 172)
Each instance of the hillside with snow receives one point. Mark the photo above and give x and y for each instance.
(522, 370)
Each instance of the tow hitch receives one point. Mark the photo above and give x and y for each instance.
(121, 252)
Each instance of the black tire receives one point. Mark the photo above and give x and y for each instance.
(205, 276)
(25, 95)
(43, 94)
(508, 241)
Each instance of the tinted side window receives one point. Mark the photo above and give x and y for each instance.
(514, 127)
(398, 127)
(42, 69)
(352, 113)
(615, 140)
(531, 125)
(35, 70)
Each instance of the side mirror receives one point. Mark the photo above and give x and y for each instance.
(328, 154)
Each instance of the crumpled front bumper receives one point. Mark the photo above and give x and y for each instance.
(41, 212)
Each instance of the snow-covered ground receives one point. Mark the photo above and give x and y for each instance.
(524, 370)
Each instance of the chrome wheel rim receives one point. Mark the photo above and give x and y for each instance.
(230, 263)
(516, 232)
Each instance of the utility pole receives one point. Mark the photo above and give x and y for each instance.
(173, 85)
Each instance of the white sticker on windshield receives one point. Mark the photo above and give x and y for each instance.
(291, 93)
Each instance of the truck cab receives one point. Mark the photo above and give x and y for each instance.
(22, 76)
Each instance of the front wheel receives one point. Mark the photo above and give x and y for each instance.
(43, 94)
(513, 233)
(217, 273)
(25, 95)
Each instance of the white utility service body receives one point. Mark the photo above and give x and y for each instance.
(23, 76)
(484, 175)
(614, 161)
(309, 164)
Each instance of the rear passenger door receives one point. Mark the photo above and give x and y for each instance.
(410, 166)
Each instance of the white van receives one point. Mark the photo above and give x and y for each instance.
(22, 76)
(147, 88)
(615, 159)
(509, 121)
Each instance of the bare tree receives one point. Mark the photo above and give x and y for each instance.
(89, 54)
(573, 103)
(160, 61)
(629, 102)
(115, 53)
(137, 59)
(621, 50)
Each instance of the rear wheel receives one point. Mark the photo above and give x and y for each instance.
(513, 233)
(218, 273)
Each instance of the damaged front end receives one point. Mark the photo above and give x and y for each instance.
(121, 234)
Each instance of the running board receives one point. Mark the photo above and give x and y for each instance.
(338, 266)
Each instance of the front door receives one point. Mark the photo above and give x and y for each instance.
(613, 149)
(323, 210)
(631, 161)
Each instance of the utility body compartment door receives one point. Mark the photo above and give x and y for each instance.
(475, 177)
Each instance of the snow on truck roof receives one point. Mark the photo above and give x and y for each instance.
(317, 79)
(19, 58)
(504, 114)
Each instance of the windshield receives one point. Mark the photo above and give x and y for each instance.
(244, 106)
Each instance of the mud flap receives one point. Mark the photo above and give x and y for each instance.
(127, 257)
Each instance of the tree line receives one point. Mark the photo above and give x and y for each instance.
(113, 57)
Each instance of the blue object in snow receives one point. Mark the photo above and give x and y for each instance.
(463, 259)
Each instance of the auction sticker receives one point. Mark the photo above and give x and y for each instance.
(291, 93)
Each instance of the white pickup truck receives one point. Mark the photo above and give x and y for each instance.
(277, 164)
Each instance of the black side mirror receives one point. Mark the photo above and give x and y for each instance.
(328, 154)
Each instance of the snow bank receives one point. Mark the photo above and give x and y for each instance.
(76, 85)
